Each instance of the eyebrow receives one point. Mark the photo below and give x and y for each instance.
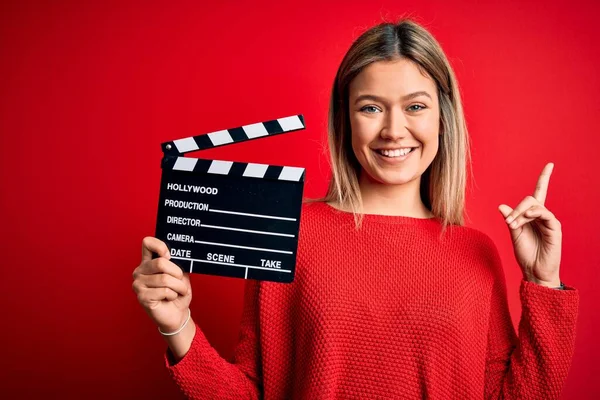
(380, 99)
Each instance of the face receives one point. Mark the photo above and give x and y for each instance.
(395, 121)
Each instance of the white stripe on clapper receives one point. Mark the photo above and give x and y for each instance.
(246, 230)
(185, 164)
(252, 215)
(185, 145)
(220, 167)
(291, 174)
(220, 137)
(290, 123)
(244, 247)
(255, 130)
(256, 170)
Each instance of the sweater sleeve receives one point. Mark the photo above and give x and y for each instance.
(535, 364)
(203, 374)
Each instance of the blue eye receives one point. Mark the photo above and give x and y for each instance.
(369, 107)
(416, 105)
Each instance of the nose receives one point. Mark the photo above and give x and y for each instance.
(395, 125)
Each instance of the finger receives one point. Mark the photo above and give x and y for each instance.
(164, 280)
(522, 219)
(186, 280)
(545, 216)
(506, 211)
(523, 206)
(153, 245)
(153, 295)
(160, 266)
(541, 189)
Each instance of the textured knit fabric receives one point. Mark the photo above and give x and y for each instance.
(392, 310)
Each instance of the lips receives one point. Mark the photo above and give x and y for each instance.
(393, 156)
(391, 153)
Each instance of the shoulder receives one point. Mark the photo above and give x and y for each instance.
(313, 211)
(312, 206)
(313, 215)
(478, 244)
(478, 237)
(321, 224)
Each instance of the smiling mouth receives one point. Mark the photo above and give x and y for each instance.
(396, 152)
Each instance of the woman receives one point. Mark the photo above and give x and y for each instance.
(393, 297)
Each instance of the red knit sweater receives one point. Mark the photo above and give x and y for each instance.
(388, 311)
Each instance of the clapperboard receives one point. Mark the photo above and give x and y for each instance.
(231, 218)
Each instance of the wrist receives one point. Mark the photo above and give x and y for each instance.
(171, 329)
(181, 343)
(553, 284)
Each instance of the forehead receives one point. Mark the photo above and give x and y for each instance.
(392, 79)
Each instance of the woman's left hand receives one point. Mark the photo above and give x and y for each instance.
(536, 235)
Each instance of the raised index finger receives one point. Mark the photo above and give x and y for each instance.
(541, 189)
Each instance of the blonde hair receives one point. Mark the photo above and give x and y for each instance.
(443, 184)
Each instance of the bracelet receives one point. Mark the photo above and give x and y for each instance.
(561, 287)
(180, 329)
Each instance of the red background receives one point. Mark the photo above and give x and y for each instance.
(88, 91)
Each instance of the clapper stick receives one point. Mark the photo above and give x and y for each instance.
(231, 218)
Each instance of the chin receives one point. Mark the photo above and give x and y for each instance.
(393, 179)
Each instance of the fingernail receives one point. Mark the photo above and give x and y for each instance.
(514, 224)
(509, 219)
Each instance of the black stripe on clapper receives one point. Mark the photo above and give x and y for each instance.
(203, 142)
(168, 162)
(202, 165)
(237, 169)
(273, 127)
(238, 134)
(273, 172)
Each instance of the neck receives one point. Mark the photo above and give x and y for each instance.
(398, 200)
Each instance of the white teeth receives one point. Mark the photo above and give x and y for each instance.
(395, 153)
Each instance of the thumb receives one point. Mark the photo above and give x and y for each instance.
(504, 210)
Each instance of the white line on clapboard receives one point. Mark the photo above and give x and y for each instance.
(244, 247)
(232, 265)
(191, 266)
(227, 228)
(252, 215)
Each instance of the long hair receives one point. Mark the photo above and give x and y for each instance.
(443, 184)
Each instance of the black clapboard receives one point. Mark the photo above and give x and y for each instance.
(231, 218)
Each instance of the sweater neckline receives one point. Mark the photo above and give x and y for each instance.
(379, 218)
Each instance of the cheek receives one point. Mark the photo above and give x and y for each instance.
(361, 136)
(431, 150)
(429, 126)
(428, 135)
(428, 131)
(358, 148)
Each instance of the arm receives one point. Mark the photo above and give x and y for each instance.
(203, 374)
(535, 364)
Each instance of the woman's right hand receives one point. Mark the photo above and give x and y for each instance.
(161, 286)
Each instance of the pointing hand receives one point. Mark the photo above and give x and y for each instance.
(536, 235)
